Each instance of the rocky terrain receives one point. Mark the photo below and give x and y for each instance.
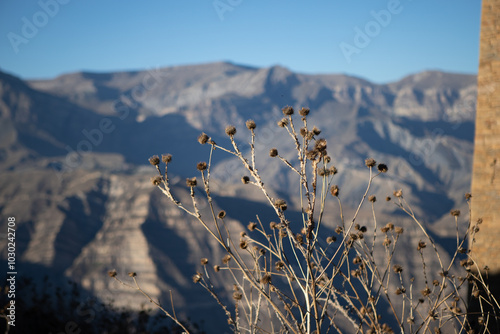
(74, 151)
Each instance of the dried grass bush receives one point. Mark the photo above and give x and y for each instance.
(297, 277)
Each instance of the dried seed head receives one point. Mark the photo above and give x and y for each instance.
(455, 213)
(216, 268)
(468, 196)
(384, 229)
(273, 225)
(339, 230)
(386, 241)
(237, 295)
(243, 234)
(221, 214)
(230, 130)
(303, 132)
(266, 279)
(243, 244)
(421, 245)
(280, 204)
(262, 251)
(279, 265)
(435, 282)
(203, 138)
(331, 239)
(315, 131)
(398, 193)
(252, 226)
(201, 166)
(204, 261)
(156, 181)
(372, 198)
(283, 122)
(154, 160)
(287, 110)
(399, 230)
(273, 152)
(251, 124)
(334, 190)
(304, 111)
(299, 238)
(399, 291)
(388, 198)
(333, 170)
(320, 145)
(196, 278)
(370, 162)
(166, 158)
(191, 182)
(425, 292)
(312, 154)
(112, 273)
(479, 221)
(132, 274)
(382, 168)
(390, 226)
(226, 259)
(397, 268)
(245, 179)
(357, 260)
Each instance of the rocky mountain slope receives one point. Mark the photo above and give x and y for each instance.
(74, 150)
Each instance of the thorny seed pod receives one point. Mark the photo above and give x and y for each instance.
(245, 179)
(287, 110)
(204, 261)
(237, 295)
(398, 193)
(372, 198)
(196, 278)
(315, 131)
(154, 160)
(251, 124)
(243, 244)
(282, 122)
(455, 213)
(397, 268)
(273, 152)
(331, 239)
(226, 259)
(112, 273)
(221, 214)
(382, 168)
(280, 204)
(266, 279)
(156, 181)
(252, 226)
(166, 158)
(203, 138)
(421, 245)
(370, 162)
(230, 130)
(191, 182)
(201, 166)
(334, 190)
(304, 111)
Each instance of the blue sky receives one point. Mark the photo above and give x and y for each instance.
(380, 40)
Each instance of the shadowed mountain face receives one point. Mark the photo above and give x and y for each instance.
(74, 150)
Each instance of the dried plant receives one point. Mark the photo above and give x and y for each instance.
(297, 277)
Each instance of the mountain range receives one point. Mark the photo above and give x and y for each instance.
(74, 159)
